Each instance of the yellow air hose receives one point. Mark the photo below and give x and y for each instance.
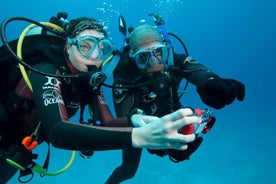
(38, 168)
(19, 48)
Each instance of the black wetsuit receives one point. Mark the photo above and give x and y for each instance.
(153, 99)
(53, 102)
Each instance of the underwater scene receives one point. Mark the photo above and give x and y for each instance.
(234, 38)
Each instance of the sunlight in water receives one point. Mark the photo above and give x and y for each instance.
(167, 6)
(108, 11)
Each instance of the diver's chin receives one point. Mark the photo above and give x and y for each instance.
(91, 67)
(156, 68)
(97, 62)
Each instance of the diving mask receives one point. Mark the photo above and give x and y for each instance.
(148, 57)
(87, 45)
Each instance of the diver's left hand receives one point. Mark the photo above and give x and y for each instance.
(219, 92)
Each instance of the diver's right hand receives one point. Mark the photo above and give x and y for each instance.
(162, 133)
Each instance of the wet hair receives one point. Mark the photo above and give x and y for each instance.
(78, 25)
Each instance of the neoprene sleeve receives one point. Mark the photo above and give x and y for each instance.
(54, 110)
(192, 70)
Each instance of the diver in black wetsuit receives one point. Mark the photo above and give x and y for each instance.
(144, 60)
(52, 101)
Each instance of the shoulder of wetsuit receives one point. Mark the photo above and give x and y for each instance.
(179, 59)
(36, 48)
(126, 68)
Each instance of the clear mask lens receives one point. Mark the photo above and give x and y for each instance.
(145, 58)
(88, 45)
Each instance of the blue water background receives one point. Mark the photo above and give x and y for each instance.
(236, 39)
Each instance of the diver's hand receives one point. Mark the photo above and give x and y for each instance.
(219, 92)
(162, 133)
(141, 120)
(138, 118)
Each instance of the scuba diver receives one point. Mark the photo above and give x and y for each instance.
(38, 108)
(148, 76)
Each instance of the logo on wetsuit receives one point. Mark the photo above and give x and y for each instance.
(52, 95)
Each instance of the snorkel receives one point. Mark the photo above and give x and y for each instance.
(158, 20)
